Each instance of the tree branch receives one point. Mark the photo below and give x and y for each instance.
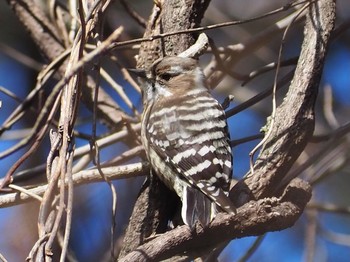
(79, 178)
(295, 118)
(253, 219)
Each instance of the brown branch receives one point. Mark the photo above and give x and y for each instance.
(168, 34)
(294, 122)
(265, 215)
(43, 33)
(138, 18)
(79, 178)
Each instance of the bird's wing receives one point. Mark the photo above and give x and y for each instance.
(196, 145)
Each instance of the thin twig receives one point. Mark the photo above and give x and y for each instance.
(94, 146)
(36, 246)
(42, 78)
(237, 52)
(339, 132)
(20, 57)
(310, 235)
(131, 81)
(10, 94)
(237, 142)
(69, 209)
(257, 242)
(37, 140)
(268, 67)
(329, 207)
(255, 99)
(53, 97)
(57, 88)
(328, 107)
(125, 156)
(25, 191)
(138, 18)
(108, 140)
(120, 90)
(337, 238)
(2, 258)
(205, 28)
(324, 152)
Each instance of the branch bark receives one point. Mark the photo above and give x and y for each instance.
(295, 117)
(252, 219)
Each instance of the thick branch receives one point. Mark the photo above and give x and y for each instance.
(294, 121)
(41, 30)
(265, 215)
(171, 16)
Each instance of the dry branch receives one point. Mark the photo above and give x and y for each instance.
(252, 219)
(294, 122)
(79, 178)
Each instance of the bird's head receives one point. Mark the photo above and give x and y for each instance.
(170, 76)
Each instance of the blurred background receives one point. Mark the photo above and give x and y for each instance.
(326, 230)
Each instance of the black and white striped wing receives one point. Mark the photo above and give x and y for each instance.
(192, 138)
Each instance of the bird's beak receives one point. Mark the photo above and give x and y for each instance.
(138, 72)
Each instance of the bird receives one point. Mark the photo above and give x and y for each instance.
(185, 136)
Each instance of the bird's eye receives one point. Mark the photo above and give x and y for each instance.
(165, 76)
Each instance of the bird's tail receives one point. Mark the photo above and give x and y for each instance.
(196, 207)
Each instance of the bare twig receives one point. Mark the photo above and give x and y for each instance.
(250, 102)
(257, 242)
(310, 236)
(139, 19)
(268, 67)
(80, 178)
(234, 53)
(329, 207)
(37, 137)
(69, 208)
(237, 142)
(25, 191)
(20, 57)
(120, 91)
(2, 258)
(203, 28)
(328, 107)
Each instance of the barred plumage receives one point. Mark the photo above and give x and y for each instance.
(185, 136)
